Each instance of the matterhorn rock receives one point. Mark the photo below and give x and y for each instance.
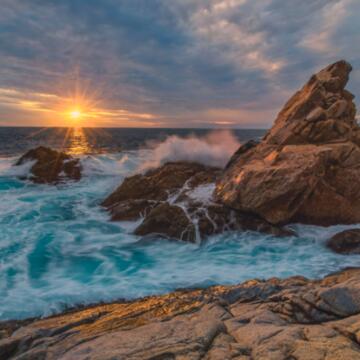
(307, 167)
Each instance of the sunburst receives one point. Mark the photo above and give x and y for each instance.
(75, 114)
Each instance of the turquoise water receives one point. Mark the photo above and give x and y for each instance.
(58, 248)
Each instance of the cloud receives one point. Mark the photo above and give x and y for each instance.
(170, 63)
(321, 36)
(235, 42)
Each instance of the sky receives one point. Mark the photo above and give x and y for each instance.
(166, 63)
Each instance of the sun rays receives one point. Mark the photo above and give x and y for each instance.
(72, 101)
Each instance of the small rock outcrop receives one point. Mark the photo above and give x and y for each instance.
(304, 168)
(175, 201)
(346, 242)
(156, 184)
(170, 221)
(277, 319)
(51, 166)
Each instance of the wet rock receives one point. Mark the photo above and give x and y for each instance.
(176, 202)
(168, 221)
(304, 168)
(129, 210)
(216, 219)
(277, 319)
(346, 242)
(158, 183)
(51, 166)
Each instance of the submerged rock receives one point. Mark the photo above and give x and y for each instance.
(51, 166)
(346, 242)
(175, 201)
(277, 319)
(304, 168)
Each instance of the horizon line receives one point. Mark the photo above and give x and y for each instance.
(132, 127)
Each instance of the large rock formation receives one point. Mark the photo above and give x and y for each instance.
(51, 166)
(306, 167)
(175, 201)
(276, 319)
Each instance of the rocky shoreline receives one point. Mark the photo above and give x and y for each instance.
(294, 318)
(302, 171)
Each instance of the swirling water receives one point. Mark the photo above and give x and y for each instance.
(58, 247)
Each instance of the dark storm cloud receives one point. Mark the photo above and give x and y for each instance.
(188, 62)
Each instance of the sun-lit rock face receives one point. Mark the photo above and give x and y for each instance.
(305, 168)
(322, 111)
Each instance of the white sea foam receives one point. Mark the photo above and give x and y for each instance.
(214, 149)
(202, 193)
(58, 247)
(7, 167)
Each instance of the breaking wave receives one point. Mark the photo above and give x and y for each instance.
(214, 149)
(59, 249)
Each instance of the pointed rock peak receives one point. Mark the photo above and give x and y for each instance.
(322, 111)
(335, 76)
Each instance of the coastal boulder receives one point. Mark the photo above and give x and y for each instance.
(168, 221)
(346, 242)
(138, 194)
(305, 168)
(157, 184)
(51, 166)
(175, 201)
(130, 210)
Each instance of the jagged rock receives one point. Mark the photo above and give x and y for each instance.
(346, 242)
(130, 210)
(321, 112)
(51, 166)
(240, 151)
(304, 168)
(294, 318)
(157, 184)
(169, 221)
(175, 202)
(215, 219)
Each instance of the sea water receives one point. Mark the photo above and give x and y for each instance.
(58, 248)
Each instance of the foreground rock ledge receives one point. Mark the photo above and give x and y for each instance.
(276, 319)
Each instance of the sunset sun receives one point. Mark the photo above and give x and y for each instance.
(75, 114)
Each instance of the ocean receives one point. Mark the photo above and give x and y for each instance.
(58, 248)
